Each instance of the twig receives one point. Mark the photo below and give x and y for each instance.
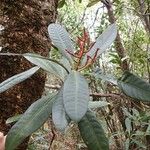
(105, 95)
(57, 87)
(96, 14)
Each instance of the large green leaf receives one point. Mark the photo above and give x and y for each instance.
(134, 87)
(17, 79)
(61, 39)
(92, 133)
(102, 42)
(75, 96)
(58, 112)
(46, 64)
(32, 119)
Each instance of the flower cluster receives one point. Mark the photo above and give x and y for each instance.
(85, 46)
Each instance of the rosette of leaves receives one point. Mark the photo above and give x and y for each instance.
(71, 102)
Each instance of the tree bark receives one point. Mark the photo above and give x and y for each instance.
(25, 30)
(118, 44)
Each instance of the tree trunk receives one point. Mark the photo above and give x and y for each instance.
(25, 30)
(118, 43)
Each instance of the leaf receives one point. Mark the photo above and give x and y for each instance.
(75, 96)
(13, 119)
(97, 104)
(106, 77)
(134, 87)
(58, 112)
(61, 39)
(139, 144)
(92, 2)
(93, 133)
(148, 130)
(46, 64)
(127, 113)
(61, 3)
(128, 125)
(66, 63)
(135, 112)
(32, 119)
(17, 79)
(102, 42)
(127, 144)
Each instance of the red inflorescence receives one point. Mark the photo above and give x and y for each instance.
(84, 45)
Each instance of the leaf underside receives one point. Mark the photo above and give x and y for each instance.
(58, 112)
(102, 42)
(47, 65)
(75, 96)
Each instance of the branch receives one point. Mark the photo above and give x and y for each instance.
(105, 95)
(147, 14)
(118, 43)
(54, 87)
(57, 87)
(144, 15)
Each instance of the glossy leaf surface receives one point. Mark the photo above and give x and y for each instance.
(92, 133)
